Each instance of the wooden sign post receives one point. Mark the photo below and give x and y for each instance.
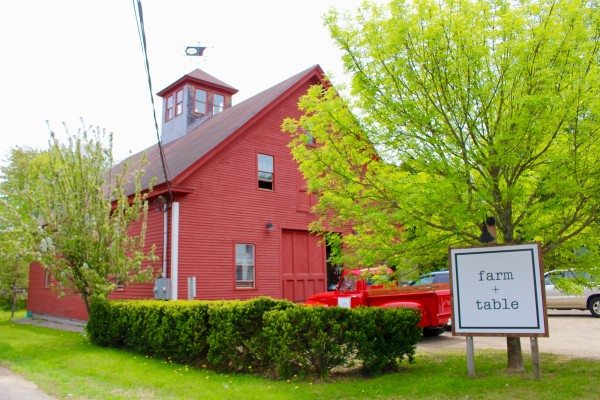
(498, 291)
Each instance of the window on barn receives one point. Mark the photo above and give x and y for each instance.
(169, 112)
(310, 139)
(265, 171)
(179, 102)
(200, 105)
(244, 266)
(218, 103)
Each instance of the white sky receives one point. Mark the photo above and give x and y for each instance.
(65, 60)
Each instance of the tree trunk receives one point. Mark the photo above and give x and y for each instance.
(13, 302)
(515, 355)
(86, 301)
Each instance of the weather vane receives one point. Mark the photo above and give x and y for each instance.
(194, 54)
(194, 51)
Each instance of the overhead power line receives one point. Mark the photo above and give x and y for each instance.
(139, 19)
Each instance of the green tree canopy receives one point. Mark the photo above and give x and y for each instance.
(17, 245)
(460, 110)
(86, 230)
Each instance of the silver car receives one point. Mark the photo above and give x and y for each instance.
(557, 299)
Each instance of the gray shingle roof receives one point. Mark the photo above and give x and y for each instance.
(200, 76)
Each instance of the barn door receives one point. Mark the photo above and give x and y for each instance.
(303, 265)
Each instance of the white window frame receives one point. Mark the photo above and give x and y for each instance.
(248, 266)
(178, 102)
(263, 179)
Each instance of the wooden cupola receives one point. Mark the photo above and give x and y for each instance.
(191, 100)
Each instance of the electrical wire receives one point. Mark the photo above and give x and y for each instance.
(139, 19)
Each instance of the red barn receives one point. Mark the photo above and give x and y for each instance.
(237, 224)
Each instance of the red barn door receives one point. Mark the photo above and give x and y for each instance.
(303, 265)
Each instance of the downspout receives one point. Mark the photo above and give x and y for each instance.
(165, 240)
(174, 249)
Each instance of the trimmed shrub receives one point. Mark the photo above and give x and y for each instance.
(305, 339)
(384, 336)
(235, 338)
(106, 324)
(260, 335)
(174, 330)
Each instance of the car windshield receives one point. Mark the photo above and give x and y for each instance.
(424, 280)
(551, 278)
(347, 284)
(429, 279)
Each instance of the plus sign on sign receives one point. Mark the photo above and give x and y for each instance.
(498, 291)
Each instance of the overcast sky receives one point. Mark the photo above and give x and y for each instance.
(65, 60)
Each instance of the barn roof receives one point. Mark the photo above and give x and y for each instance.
(188, 152)
(199, 76)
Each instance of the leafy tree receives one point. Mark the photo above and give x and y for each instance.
(14, 274)
(89, 229)
(458, 111)
(17, 245)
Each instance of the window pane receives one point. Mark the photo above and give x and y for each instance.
(200, 106)
(265, 163)
(265, 184)
(265, 176)
(218, 102)
(244, 254)
(244, 273)
(200, 95)
(180, 96)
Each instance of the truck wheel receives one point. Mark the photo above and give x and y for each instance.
(431, 332)
(594, 306)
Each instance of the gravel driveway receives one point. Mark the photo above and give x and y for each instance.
(572, 333)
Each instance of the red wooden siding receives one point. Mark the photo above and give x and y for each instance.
(44, 300)
(227, 207)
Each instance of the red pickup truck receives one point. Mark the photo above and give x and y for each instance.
(358, 288)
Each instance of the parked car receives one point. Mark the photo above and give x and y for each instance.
(431, 278)
(557, 299)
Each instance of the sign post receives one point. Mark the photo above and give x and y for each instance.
(499, 291)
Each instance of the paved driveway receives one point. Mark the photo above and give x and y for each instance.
(572, 333)
(13, 387)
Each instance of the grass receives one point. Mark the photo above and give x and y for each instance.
(66, 366)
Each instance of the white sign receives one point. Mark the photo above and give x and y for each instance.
(498, 291)
(344, 302)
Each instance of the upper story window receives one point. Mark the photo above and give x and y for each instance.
(200, 105)
(218, 103)
(310, 139)
(265, 171)
(244, 266)
(170, 112)
(179, 102)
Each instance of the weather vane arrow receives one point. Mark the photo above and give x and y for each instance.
(194, 51)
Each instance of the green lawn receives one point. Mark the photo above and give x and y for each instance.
(66, 366)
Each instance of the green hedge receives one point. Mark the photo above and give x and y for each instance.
(262, 335)
(303, 339)
(384, 336)
(235, 339)
(306, 339)
(175, 330)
